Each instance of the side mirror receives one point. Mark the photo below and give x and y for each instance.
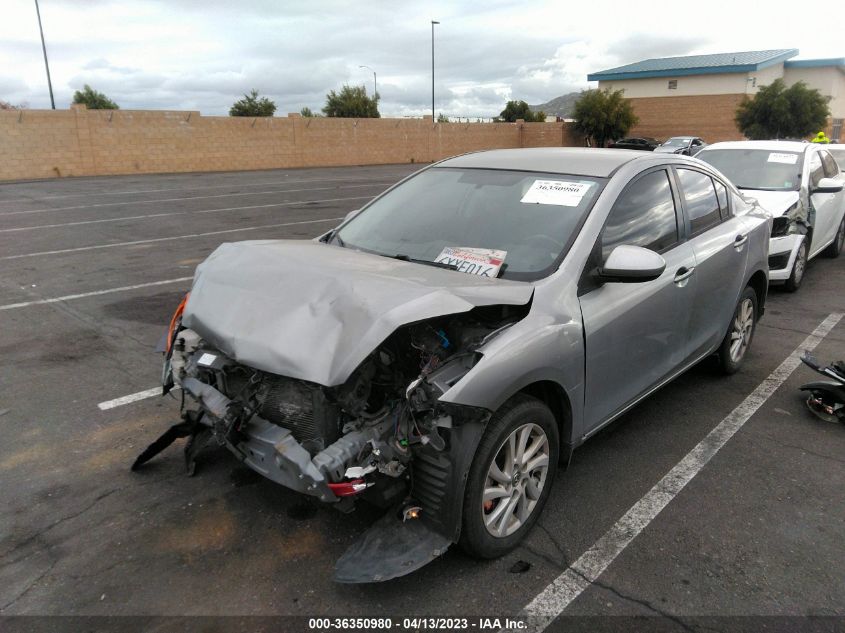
(828, 185)
(631, 264)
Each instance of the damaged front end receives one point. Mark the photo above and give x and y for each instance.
(383, 435)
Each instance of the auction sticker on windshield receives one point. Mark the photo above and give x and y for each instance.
(484, 262)
(786, 159)
(559, 192)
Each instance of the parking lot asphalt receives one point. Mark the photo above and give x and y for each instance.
(758, 531)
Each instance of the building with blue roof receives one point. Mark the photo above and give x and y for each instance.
(698, 94)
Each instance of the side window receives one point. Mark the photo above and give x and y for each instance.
(700, 197)
(816, 169)
(831, 169)
(644, 215)
(722, 195)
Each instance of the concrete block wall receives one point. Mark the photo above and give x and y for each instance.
(78, 142)
(709, 116)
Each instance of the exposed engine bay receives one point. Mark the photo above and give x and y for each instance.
(383, 435)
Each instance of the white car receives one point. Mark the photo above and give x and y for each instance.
(800, 184)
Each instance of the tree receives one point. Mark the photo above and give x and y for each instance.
(442, 118)
(520, 110)
(94, 100)
(306, 112)
(252, 105)
(603, 115)
(352, 102)
(5, 105)
(780, 112)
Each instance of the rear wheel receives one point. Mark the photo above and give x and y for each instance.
(836, 246)
(798, 268)
(510, 478)
(740, 333)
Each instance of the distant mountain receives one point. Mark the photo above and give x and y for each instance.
(561, 106)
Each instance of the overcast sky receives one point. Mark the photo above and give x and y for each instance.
(203, 54)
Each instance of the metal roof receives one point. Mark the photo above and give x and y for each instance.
(741, 62)
(576, 161)
(834, 62)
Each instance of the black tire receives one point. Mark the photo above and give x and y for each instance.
(515, 414)
(729, 361)
(835, 247)
(799, 268)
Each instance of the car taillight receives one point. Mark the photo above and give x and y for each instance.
(175, 323)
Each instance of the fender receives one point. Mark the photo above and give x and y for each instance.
(834, 389)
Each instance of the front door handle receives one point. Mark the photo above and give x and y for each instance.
(740, 240)
(683, 273)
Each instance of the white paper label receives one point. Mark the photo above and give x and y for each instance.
(206, 360)
(786, 159)
(484, 262)
(560, 192)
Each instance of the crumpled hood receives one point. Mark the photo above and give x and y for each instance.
(311, 311)
(775, 202)
(668, 149)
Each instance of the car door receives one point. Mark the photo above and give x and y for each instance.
(832, 203)
(636, 333)
(720, 244)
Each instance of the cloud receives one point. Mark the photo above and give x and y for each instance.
(639, 47)
(205, 54)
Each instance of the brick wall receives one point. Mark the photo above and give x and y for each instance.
(80, 142)
(709, 116)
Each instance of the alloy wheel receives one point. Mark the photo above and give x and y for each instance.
(515, 480)
(743, 325)
(800, 264)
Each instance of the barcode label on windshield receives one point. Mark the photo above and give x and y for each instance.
(560, 192)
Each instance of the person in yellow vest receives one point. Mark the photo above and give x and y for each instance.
(821, 138)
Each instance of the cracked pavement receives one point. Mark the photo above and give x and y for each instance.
(759, 531)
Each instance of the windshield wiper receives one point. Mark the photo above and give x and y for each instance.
(335, 237)
(427, 262)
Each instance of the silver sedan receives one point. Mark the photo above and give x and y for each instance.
(449, 345)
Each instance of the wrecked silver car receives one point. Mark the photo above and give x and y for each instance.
(444, 349)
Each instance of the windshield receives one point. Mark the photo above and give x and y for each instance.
(761, 169)
(677, 142)
(524, 221)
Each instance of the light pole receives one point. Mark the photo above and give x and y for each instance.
(433, 22)
(375, 88)
(44, 48)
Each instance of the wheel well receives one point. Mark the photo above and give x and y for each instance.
(760, 286)
(553, 396)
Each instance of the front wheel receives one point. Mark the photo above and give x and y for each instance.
(740, 333)
(510, 478)
(797, 275)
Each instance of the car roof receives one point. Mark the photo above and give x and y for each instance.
(578, 161)
(769, 146)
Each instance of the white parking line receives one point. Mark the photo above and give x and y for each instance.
(132, 397)
(268, 183)
(296, 203)
(551, 602)
(82, 295)
(166, 239)
(219, 195)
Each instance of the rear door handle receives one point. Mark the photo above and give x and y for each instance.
(683, 273)
(740, 240)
